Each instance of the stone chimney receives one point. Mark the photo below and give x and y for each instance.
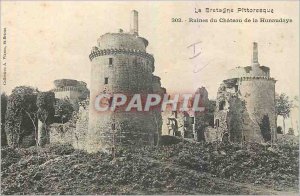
(255, 54)
(134, 22)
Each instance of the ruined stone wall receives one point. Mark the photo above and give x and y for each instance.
(242, 110)
(165, 127)
(212, 134)
(185, 124)
(61, 133)
(72, 94)
(203, 118)
(224, 96)
(69, 133)
(62, 94)
(80, 132)
(190, 124)
(221, 123)
(158, 119)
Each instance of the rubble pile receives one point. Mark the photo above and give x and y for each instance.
(274, 166)
(183, 168)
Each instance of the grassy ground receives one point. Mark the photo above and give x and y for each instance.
(182, 168)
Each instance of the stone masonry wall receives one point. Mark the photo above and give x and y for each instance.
(120, 65)
(61, 133)
(80, 133)
(244, 108)
(68, 133)
(259, 95)
(123, 40)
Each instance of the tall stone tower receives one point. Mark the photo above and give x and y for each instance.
(120, 64)
(246, 103)
(257, 88)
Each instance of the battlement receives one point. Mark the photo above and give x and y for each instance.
(96, 53)
(255, 70)
(67, 88)
(256, 78)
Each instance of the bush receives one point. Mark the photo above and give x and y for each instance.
(183, 168)
(64, 149)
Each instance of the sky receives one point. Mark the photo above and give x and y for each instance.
(52, 40)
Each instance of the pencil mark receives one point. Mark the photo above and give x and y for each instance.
(194, 50)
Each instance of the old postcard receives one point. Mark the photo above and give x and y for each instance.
(149, 97)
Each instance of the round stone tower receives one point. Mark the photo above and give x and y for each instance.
(257, 89)
(120, 64)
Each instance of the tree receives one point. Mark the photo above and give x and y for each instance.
(45, 113)
(20, 118)
(295, 105)
(3, 112)
(63, 110)
(279, 130)
(283, 107)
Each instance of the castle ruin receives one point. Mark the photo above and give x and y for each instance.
(245, 105)
(244, 109)
(187, 124)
